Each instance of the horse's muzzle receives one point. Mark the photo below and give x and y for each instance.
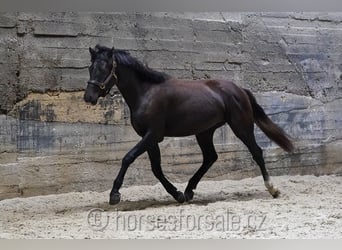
(89, 99)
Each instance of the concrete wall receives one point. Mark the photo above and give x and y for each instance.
(51, 141)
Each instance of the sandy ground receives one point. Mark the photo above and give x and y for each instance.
(309, 207)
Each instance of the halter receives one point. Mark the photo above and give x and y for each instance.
(102, 85)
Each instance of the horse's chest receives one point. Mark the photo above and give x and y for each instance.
(139, 124)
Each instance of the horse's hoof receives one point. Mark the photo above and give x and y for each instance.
(114, 199)
(188, 195)
(275, 193)
(180, 197)
(272, 190)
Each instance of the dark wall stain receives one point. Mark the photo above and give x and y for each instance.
(34, 135)
(33, 111)
(30, 111)
(49, 113)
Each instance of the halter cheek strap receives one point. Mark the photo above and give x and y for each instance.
(102, 85)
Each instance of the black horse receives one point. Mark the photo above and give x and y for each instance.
(163, 106)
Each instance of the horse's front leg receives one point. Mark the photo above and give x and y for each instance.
(154, 155)
(146, 142)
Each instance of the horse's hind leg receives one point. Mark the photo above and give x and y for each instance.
(154, 155)
(245, 132)
(205, 141)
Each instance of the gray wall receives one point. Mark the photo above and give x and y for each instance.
(51, 141)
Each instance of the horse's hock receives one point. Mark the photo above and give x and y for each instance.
(52, 142)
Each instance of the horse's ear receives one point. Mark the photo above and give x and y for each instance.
(92, 53)
(111, 52)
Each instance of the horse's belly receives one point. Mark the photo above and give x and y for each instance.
(191, 124)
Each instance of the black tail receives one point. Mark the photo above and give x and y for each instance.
(272, 130)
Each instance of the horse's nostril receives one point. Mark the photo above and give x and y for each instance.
(86, 98)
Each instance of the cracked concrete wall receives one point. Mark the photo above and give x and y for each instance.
(51, 141)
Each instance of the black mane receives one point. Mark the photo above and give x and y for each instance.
(144, 73)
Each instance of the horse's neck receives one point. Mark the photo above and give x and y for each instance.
(131, 88)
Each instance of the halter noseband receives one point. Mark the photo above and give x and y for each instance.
(102, 85)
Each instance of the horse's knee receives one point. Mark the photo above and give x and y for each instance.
(210, 159)
(214, 157)
(127, 160)
(156, 171)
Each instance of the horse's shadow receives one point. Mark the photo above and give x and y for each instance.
(127, 205)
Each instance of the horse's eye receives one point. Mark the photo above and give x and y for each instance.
(103, 66)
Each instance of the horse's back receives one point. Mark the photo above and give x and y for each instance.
(194, 106)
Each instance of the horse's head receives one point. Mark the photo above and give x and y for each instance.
(102, 73)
